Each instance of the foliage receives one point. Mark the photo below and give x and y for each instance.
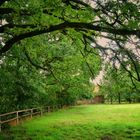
(118, 87)
(49, 49)
(46, 74)
(115, 20)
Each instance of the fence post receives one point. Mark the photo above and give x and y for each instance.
(31, 113)
(41, 111)
(0, 124)
(17, 117)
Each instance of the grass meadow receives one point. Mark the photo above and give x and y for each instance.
(85, 122)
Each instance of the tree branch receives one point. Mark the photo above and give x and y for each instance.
(92, 73)
(132, 60)
(61, 26)
(6, 10)
(2, 28)
(32, 63)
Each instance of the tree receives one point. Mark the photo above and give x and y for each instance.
(45, 74)
(119, 21)
(64, 34)
(118, 87)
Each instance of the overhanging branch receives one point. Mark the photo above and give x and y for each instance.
(75, 25)
(2, 28)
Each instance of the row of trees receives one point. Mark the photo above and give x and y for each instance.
(46, 73)
(118, 87)
(46, 54)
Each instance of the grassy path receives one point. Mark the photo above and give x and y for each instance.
(88, 122)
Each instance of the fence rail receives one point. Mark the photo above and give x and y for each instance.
(14, 118)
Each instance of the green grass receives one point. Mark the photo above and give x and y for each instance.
(87, 122)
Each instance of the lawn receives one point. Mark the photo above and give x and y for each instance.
(86, 122)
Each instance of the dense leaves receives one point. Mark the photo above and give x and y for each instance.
(46, 73)
(50, 49)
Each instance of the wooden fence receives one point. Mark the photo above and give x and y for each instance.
(16, 117)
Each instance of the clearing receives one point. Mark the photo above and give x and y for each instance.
(86, 122)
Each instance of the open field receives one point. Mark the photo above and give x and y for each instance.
(86, 122)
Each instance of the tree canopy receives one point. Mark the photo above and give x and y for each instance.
(53, 47)
(116, 20)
